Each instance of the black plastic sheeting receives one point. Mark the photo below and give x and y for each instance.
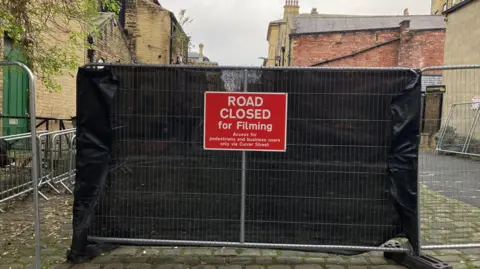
(349, 176)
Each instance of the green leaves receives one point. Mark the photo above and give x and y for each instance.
(52, 34)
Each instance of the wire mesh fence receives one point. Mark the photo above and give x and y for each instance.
(450, 168)
(331, 189)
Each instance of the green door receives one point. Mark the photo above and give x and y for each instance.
(15, 92)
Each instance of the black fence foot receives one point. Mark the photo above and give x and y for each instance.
(414, 262)
(93, 251)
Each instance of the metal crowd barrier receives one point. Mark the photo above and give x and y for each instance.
(56, 159)
(33, 140)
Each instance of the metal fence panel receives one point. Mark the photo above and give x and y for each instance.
(450, 169)
(331, 189)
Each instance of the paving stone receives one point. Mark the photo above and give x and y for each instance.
(203, 267)
(331, 266)
(106, 259)
(336, 260)
(254, 267)
(172, 266)
(225, 252)
(318, 254)
(268, 252)
(192, 260)
(376, 254)
(86, 266)
(378, 261)
(472, 257)
(171, 251)
(138, 266)
(240, 260)
(55, 259)
(308, 266)
(151, 252)
(12, 266)
(358, 260)
(214, 260)
(265, 260)
(289, 260)
(198, 251)
(249, 252)
(450, 258)
(288, 253)
(278, 267)
(387, 266)
(230, 267)
(114, 266)
(124, 251)
(314, 260)
(458, 265)
(66, 266)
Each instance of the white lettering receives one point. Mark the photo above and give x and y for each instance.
(257, 114)
(224, 113)
(242, 101)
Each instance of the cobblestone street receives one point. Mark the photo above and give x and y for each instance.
(17, 250)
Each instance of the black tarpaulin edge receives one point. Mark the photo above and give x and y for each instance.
(403, 158)
(95, 93)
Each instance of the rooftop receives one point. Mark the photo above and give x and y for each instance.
(321, 23)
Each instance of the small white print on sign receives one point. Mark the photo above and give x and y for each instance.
(476, 103)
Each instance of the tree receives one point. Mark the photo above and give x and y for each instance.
(36, 28)
(184, 20)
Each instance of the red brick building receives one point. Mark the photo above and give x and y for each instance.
(373, 41)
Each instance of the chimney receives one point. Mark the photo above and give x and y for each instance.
(201, 46)
(314, 11)
(405, 12)
(291, 8)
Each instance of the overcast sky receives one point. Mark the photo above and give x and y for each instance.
(234, 31)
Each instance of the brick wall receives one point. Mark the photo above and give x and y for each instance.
(111, 44)
(385, 48)
(312, 49)
(149, 31)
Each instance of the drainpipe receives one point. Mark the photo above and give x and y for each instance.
(172, 32)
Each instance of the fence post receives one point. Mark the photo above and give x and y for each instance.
(35, 164)
(244, 174)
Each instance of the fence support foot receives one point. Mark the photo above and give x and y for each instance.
(414, 262)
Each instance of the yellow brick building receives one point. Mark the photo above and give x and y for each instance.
(145, 33)
(277, 35)
(461, 48)
(440, 6)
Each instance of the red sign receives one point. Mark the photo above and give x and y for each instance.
(245, 121)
